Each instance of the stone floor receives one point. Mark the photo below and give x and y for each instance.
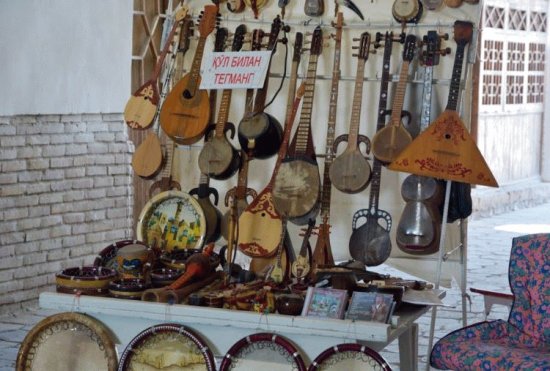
(489, 245)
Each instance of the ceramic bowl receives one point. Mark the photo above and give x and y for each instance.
(128, 288)
(85, 280)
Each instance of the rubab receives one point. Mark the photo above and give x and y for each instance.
(351, 171)
(388, 142)
(420, 223)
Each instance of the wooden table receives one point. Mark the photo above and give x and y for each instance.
(222, 328)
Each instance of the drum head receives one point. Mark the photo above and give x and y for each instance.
(168, 346)
(67, 342)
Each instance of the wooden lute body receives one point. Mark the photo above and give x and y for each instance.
(391, 140)
(185, 114)
(212, 214)
(351, 172)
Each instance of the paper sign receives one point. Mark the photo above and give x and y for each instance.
(235, 70)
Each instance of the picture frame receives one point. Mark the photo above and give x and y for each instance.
(325, 303)
(370, 306)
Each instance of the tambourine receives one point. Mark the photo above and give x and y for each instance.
(68, 341)
(349, 356)
(167, 346)
(263, 351)
(172, 220)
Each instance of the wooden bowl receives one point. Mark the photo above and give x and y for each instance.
(290, 304)
(85, 280)
(128, 288)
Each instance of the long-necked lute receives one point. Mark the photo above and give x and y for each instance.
(185, 114)
(322, 253)
(297, 185)
(370, 243)
(351, 171)
(388, 142)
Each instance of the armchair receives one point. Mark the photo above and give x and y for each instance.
(522, 342)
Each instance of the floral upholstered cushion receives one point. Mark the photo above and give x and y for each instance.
(521, 343)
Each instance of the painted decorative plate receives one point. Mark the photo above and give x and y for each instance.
(172, 220)
(168, 346)
(348, 357)
(263, 351)
(68, 342)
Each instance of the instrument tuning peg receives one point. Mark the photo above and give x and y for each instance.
(306, 49)
(378, 37)
(286, 28)
(445, 36)
(283, 40)
(355, 55)
(355, 47)
(355, 39)
(446, 51)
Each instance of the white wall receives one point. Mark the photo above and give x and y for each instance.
(64, 56)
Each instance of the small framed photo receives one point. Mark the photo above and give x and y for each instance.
(324, 302)
(370, 306)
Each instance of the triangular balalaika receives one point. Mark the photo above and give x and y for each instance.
(445, 150)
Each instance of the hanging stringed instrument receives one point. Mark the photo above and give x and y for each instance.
(147, 160)
(446, 149)
(297, 185)
(322, 254)
(166, 183)
(211, 213)
(185, 114)
(301, 267)
(388, 142)
(370, 243)
(260, 224)
(351, 171)
(218, 158)
(141, 108)
(260, 133)
(420, 223)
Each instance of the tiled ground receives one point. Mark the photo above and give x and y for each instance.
(488, 254)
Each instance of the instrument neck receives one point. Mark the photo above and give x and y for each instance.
(165, 50)
(384, 82)
(196, 66)
(426, 98)
(303, 130)
(454, 90)
(356, 107)
(399, 97)
(167, 170)
(242, 181)
(223, 113)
